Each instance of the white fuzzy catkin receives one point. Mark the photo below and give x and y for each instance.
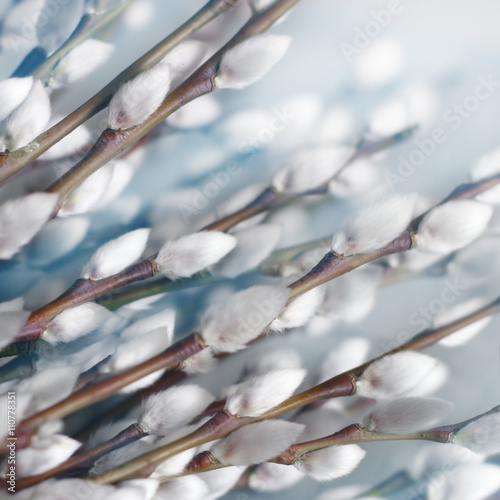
(21, 218)
(12, 323)
(57, 238)
(183, 488)
(48, 387)
(220, 481)
(375, 226)
(311, 168)
(482, 435)
(487, 166)
(116, 255)
(254, 397)
(394, 375)
(254, 244)
(299, 311)
(184, 58)
(406, 415)
(88, 193)
(255, 443)
(75, 322)
(136, 350)
(28, 120)
(269, 477)
(463, 335)
(13, 92)
(202, 362)
(136, 100)
(330, 463)
(250, 60)
(198, 113)
(45, 453)
(350, 353)
(165, 318)
(452, 226)
(81, 62)
(172, 408)
(466, 482)
(192, 253)
(229, 326)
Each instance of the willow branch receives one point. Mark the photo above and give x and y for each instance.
(113, 142)
(84, 461)
(341, 385)
(14, 161)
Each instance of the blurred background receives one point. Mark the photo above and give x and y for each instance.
(353, 68)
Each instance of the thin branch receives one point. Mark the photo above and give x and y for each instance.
(113, 142)
(341, 385)
(14, 161)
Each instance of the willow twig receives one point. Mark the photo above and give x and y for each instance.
(341, 385)
(14, 161)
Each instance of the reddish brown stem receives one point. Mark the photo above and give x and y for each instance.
(84, 461)
(170, 358)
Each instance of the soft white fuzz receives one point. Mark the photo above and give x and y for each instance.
(481, 435)
(183, 488)
(357, 178)
(230, 325)
(12, 305)
(21, 218)
(136, 100)
(311, 168)
(463, 335)
(81, 62)
(274, 477)
(250, 60)
(299, 311)
(176, 464)
(198, 113)
(88, 193)
(57, 238)
(394, 375)
(255, 443)
(254, 244)
(13, 92)
(406, 415)
(116, 255)
(48, 387)
(331, 463)
(75, 322)
(487, 166)
(348, 354)
(140, 489)
(192, 253)
(12, 323)
(45, 453)
(165, 318)
(254, 397)
(375, 226)
(184, 58)
(352, 296)
(138, 349)
(176, 406)
(202, 362)
(452, 226)
(220, 481)
(466, 482)
(28, 120)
